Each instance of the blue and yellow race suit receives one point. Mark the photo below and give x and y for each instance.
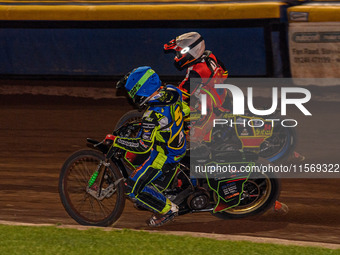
(163, 137)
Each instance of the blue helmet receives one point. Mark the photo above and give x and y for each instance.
(142, 83)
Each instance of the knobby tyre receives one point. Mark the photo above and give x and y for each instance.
(79, 203)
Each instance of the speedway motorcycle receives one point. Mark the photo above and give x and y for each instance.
(91, 183)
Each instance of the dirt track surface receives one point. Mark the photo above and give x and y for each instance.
(39, 132)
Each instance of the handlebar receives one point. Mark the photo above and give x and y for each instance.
(127, 129)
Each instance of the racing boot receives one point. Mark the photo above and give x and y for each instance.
(297, 157)
(159, 219)
(280, 208)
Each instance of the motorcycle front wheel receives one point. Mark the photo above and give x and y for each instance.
(99, 205)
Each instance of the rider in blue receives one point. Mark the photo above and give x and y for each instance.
(161, 135)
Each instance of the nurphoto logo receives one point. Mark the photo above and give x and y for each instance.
(239, 105)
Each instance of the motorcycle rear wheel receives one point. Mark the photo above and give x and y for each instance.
(260, 193)
(77, 199)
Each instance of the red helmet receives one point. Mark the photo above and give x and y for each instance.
(187, 47)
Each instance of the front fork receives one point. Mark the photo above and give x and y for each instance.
(97, 191)
(106, 164)
(96, 173)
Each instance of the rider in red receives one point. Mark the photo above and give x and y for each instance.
(203, 70)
